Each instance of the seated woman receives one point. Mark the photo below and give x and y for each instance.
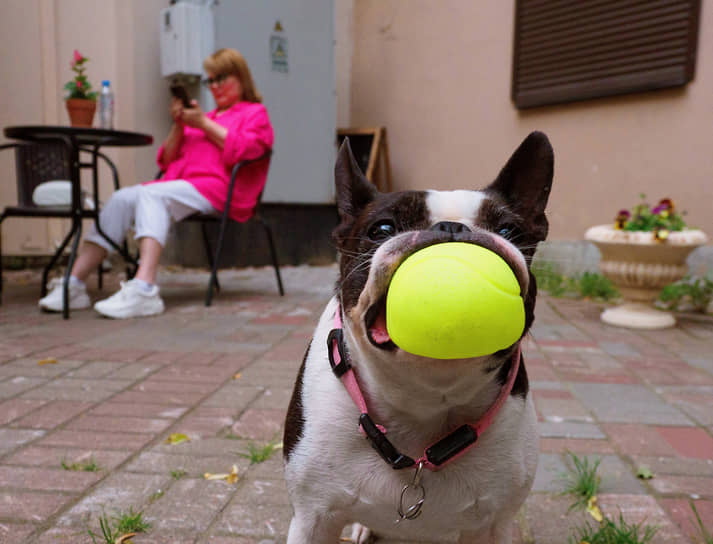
(197, 158)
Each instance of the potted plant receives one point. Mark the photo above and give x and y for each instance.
(644, 250)
(81, 101)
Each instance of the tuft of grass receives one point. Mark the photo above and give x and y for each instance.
(692, 293)
(549, 278)
(596, 286)
(156, 496)
(178, 474)
(122, 524)
(260, 454)
(88, 466)
(131, 522)
(587, 285)
(705, 535)
(582, 480)
(614, 532)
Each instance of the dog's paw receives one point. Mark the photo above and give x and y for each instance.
(360, 534)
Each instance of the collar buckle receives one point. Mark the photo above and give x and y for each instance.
(342, 366)
(381, 444)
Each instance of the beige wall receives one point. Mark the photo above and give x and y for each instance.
(121, 40)
(437, 74)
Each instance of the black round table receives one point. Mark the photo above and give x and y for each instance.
(85, 140)
(81, 136)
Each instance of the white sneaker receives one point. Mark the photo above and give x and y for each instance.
(78, 297)
(131, 301)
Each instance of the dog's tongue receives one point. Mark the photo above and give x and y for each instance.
(378, 330)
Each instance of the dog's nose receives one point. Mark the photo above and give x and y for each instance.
(450, 227)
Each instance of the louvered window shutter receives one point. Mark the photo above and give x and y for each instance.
(568, 50)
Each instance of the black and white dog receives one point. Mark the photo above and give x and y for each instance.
(442, 446)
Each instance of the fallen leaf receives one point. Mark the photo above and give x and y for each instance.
(237, 375)
(231, 477)
(125, 538)
(594, 510)
(644, 473)
(48, 361)
(177, 438)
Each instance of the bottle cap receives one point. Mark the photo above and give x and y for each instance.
(105, 83)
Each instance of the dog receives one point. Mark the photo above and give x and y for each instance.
(363, 410)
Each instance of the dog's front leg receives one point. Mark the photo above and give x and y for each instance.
(311, 528)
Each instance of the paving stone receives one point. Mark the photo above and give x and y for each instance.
(15, 408)
(202, 498)
(548, 519)
(31, 506)
(15, 385)
(254, 520)
(693, 486)
(683, 516)
(95, 440)
(52, 414)
(195, 466)
(642, 509)
(234, 395)
(259, 424)
(95, 370)
(49, 457)
(633, 439)
(120, 424)
(118, 493)
(15, 533)
(111, 408)
(569, 429)
(550, 475)
(561, 445)
(676, 465)
(618, 477)
(43, 479)
(627, 404)
(12, 438)
(688, 442)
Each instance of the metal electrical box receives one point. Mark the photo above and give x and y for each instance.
(289, 46)
(187, 38)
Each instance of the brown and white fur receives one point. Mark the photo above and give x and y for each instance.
(333, 475)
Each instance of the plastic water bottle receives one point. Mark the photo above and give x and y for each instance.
(106, 106)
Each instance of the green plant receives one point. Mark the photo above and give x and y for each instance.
(661, 219)
(87, 466)
(596, 286)
(610, 532)
(689, 293)
(549, 278)
(79, 86)
(124, 523)
(259, 454)
(582, 480)
(178, 474)
(705, 535)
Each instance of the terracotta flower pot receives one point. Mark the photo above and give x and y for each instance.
(81, 111)
(640, 267)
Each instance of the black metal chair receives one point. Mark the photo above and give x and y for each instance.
(223, 219)
(36, 163)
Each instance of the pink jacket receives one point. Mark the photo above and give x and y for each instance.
(205, 166)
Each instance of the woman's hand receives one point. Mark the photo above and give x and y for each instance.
(176, 111)
(193, 116)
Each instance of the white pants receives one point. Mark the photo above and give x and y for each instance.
(150, 209)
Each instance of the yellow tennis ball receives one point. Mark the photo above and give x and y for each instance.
(454, 300)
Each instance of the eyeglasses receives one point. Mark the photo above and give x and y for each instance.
(217, 80)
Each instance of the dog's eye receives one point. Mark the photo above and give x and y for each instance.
(382, 230)
(506, 231)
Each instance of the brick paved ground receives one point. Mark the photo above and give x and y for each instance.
(223, 376)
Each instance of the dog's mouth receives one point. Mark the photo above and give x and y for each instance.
(375, 324)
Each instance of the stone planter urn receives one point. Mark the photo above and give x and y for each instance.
(640, 266)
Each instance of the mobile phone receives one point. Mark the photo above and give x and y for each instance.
(179, 91)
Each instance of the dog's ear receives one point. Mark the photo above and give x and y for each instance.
(354, 191)
(525, 181)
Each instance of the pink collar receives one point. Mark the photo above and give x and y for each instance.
(443, 451)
